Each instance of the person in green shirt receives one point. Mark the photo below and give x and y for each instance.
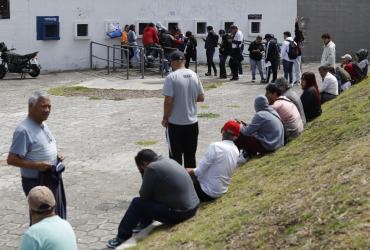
(48, 231)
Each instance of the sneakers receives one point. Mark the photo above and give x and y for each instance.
(115, 242)
(263, 81)
(234, 79)
(140, 227)
(208, 74)
(253, 80)
(243, 158)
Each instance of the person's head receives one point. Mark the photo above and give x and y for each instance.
(261, 103)
(233, 29)
(144, 158)
(41, 203)
(309, 80)
(126, 28)
(177, 60)
(272, 93)
(221, 32)
(209, 29)
(287, 34)
(39, 106)
(151, 24)
(132, 27)
(326, 38)
(346, 59)
(323, 70)
(282, 84)
(230, 130)
(259, 39)
(268, 37)
(188, 34)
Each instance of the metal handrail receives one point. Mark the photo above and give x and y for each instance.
(108, 60)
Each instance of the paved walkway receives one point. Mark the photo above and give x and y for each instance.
(99, 139)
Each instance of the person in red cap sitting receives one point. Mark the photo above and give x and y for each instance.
(212, 177)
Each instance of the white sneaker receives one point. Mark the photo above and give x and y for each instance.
(242, 159)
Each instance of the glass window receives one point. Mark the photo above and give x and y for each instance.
(227, 26)
(4, 9)
(172, 26)
(201, 27)
(255, 27)
(82, 29)
(142, 27)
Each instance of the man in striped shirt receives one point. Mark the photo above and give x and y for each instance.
(34, 151)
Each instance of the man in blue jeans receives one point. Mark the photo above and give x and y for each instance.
(287, 61)
(167, 195)
(255, 54)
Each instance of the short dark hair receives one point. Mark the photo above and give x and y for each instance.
(272, 88)
(325, 36)
(146, 155)
(209, 28)
(287, 33)
(324, 67)
(188, 33)
(151, 24)
(221, 31)
(132, 27)
(259, 37)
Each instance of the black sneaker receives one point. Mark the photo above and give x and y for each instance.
(208, 74)
(115, 242)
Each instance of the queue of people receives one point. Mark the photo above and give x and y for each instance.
(173, 187)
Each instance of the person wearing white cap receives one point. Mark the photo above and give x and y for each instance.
(346, 63)
(48, 230)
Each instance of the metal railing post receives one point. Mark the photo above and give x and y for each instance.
(108, 59)
(162, 62)
(91, 51)
(114, 59)
(122, 54)
(142, 62)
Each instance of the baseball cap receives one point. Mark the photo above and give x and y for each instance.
(232, 127)
(177, 55)
(347, 56)
(41, 199)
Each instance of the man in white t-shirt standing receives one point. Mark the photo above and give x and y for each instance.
(236, 53)
(182, 90)
(213, 175)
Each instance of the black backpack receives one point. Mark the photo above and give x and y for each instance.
(293, 50)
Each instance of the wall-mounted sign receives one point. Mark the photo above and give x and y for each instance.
(255, 16)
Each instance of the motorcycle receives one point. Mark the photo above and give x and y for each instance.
(14, 63)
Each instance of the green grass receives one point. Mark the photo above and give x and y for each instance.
(208, 115)
(204, 106)
(94, 98)
(233, 106)
(146, 143)
(311, 194)
(209, 86)
(62, 90)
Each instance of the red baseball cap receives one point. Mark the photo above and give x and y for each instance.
(232, 127)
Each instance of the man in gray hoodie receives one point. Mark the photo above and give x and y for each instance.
(265, 133)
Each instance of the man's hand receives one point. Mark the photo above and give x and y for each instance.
(165, 122)
(60, 156)
(44, 166)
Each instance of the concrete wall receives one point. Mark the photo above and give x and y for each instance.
(347, 21)
(20, 30)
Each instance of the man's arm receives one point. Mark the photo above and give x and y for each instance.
(167, 107)
(148, 185)
(16, 161)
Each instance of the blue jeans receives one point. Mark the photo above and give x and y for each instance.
(288, 70)
(256, 64)
(146, 210)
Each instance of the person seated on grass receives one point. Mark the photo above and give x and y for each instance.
(329, 86)
(264, 134)
(288, 92)
(48, 230)
(212, 177)
(311, 96)
(167, 195)
(288, 112)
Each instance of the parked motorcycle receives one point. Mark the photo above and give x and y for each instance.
(14, 63)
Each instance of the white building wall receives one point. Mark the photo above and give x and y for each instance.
(67, 53)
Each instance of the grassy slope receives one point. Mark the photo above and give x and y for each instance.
(314, 193)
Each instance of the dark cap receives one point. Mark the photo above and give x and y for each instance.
(268, 36)
(177, 56)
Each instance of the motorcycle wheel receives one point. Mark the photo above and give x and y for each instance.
(35, 71)
(2, 71)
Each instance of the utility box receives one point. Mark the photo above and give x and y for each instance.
(47, 27)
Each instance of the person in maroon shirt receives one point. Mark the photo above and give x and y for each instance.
(346, 63)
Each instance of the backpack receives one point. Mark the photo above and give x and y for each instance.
(360, 74)
(293, 50)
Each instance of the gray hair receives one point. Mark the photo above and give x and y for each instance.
(36, 96)
(282, 84)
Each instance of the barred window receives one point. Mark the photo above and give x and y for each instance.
(4, 9)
